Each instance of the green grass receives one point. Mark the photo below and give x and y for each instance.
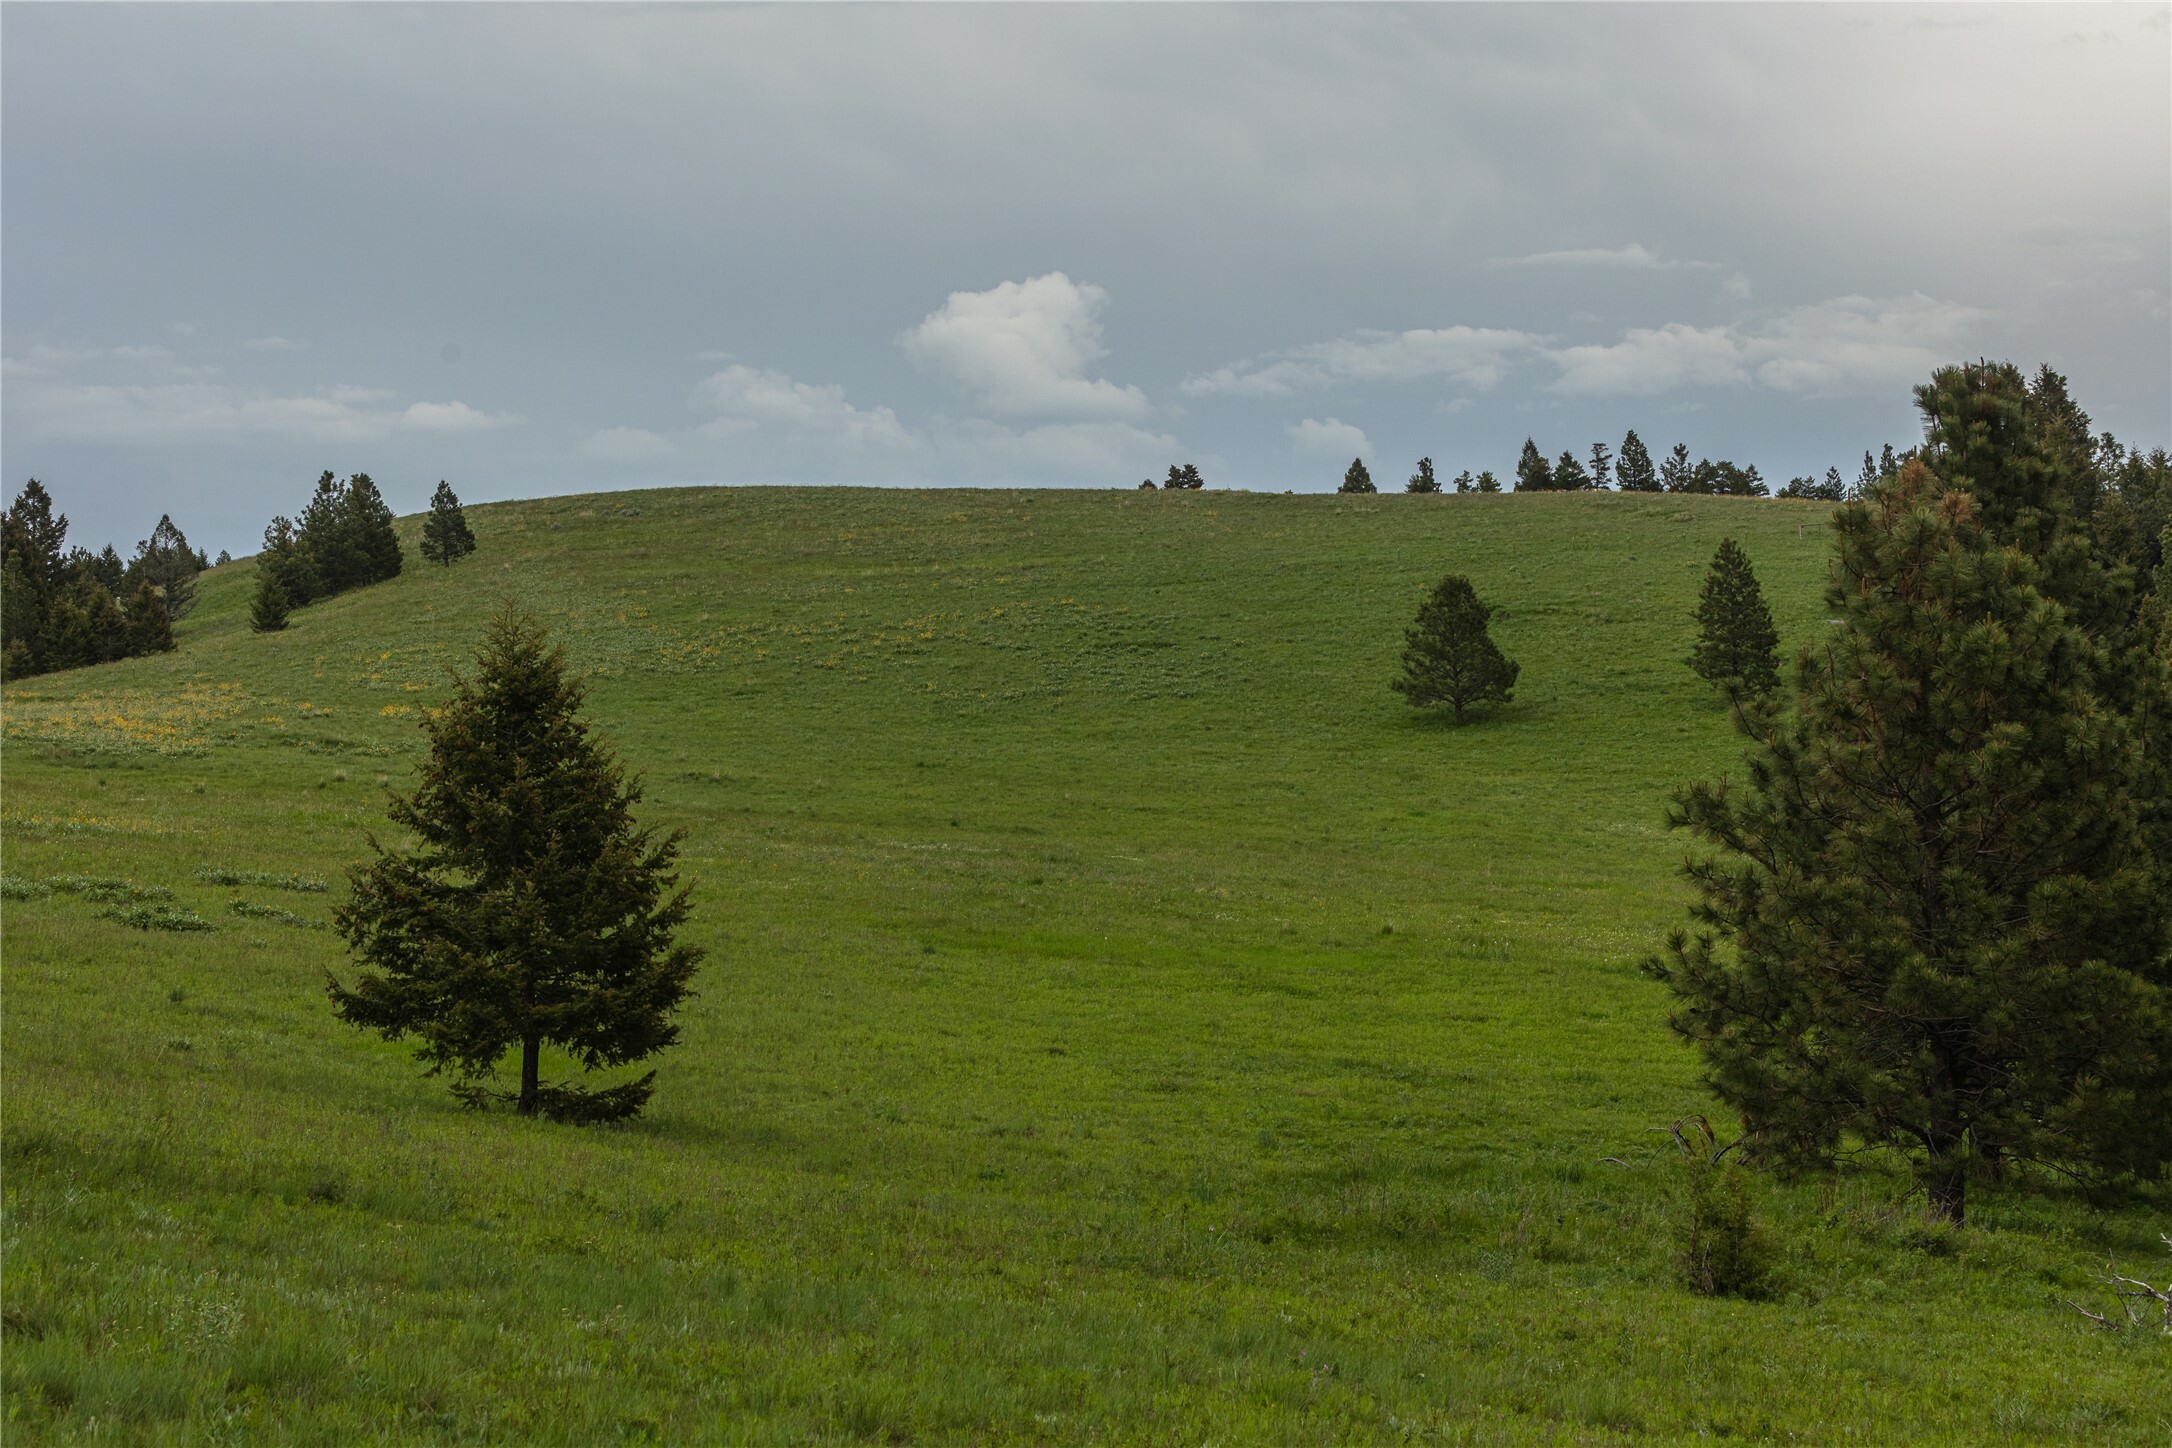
(1124, 1019)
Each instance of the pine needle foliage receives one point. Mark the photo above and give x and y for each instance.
(1423, 480)
(1930, 923)
(1357, 478)
(1448, 656)
(1737, 649)
(534, 911)
(446, 537)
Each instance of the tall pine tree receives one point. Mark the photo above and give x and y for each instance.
(1569, 474)
(1929, 922)
(1677, 474)
(534, 911)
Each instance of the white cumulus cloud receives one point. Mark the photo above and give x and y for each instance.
(745, 399)
(453, 417)
(1651, 360)
(1022, 349)
(1329, 437)
(1633, 257)
(1470, 356)
(1849, 344)
(627, 445)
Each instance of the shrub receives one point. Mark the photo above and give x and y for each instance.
(156, 917)
(1724, 1251)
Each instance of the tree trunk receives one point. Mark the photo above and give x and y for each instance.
(531, 1053)
(1946, 1179)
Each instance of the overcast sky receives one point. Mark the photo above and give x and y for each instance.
(542, 249)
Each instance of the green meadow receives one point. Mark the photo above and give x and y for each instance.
(1124, 1018)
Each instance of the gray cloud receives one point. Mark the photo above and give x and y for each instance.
(1004, 243)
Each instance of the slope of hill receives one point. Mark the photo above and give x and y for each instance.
(1124, 1019)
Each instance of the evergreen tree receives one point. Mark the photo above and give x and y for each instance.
(1737, 646)
(1355, 479)
(1602, 464)
(288, 556)
(369, 528)
(1488, 483)
(1532, 473)
(31, 577)
(1448, 657)
(147, 623)
(268, 609)
(445, 534)
(1868, 477)
(534, 911)
(1931, 923)
(1888, 465)
(1423, 481)
(1676, 474)
(166, 562)
(1464, 483)
(1634, 473)
(1192, 479)
(1569, 474)
(322, 530)
(1834, 490)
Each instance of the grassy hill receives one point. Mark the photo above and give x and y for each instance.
(1125, 1019)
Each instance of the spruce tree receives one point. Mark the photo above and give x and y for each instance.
(445, 533)
(1355, 479)
(1930, 923)
(1737, 646)
(147, 623)
(268, 609)
(322, 530)
(1676, 474)
(533, 911)
(1633, 473)
(368, 521)
(1448, 657)
(1569, 474)
(1423, 481)
(1532, 473)
(1602, 465)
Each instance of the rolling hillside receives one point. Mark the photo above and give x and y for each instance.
(1124, 1019)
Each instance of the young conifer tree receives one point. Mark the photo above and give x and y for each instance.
(1488, 483)
(445, 533)
(1448, 657)
(269, 607)
(1569, 474)
(534, 911)
(1533, 475)
(1464, 483)
(1423, 481)
(1737, 649)
(1355, 478)
(147, 626)
(1633, 473)
(1602, 465)
(1930, 922)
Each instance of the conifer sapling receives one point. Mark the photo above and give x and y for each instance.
(445, 533)
(1737, 647)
